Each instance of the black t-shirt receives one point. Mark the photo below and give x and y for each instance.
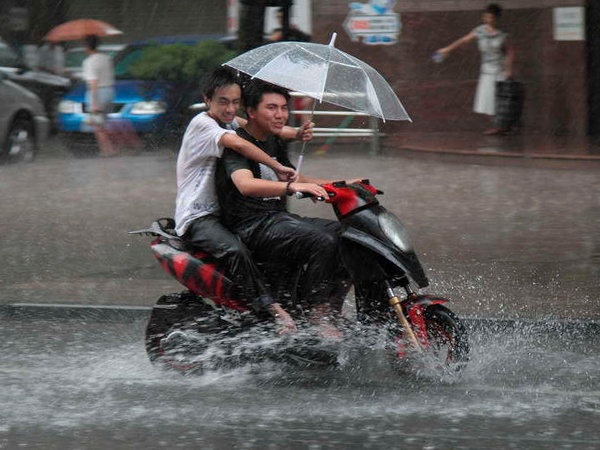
(236, 209)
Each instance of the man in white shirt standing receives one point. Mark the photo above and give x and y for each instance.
(197, 214)
(98, 73)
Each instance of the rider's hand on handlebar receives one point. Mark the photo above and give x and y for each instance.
(285, 324)
(311, 189)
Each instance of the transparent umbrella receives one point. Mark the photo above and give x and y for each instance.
(323, 73)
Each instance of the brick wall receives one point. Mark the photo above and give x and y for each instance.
(439, 97)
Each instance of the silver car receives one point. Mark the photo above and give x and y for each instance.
(24, 125)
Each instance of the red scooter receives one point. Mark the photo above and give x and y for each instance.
(208, 325)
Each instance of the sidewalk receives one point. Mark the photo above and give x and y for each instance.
(532, 146)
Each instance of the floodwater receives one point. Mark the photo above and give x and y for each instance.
(74, 384)
(512, 240)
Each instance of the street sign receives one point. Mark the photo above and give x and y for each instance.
(374, 23)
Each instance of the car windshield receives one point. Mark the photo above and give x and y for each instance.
(124, 60)
(75, 58)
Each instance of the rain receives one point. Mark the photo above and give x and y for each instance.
(506, 227)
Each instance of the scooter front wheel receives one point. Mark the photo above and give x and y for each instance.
(444, 351)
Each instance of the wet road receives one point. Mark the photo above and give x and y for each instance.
(503, 239)
(83, 384)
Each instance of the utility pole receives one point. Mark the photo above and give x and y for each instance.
(252, 21)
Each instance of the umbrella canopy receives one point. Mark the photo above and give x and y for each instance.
(78, 29)
(324, 73)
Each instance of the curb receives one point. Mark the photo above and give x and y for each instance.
(502, 154)
(114, 313)
(98, 313)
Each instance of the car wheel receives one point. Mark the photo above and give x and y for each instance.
(20, 142)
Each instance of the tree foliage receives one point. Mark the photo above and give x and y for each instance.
(178, 63)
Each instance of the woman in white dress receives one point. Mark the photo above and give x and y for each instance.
(497, 57)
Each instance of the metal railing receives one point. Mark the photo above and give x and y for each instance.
(334, 132)
(342, 130)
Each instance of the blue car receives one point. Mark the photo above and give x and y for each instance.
(152, 108)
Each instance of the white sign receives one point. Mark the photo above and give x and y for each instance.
(374, 22)
(300, 17)
(233, 17)
(569, 24)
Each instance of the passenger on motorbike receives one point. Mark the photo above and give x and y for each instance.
(197, 213)
(253, 205)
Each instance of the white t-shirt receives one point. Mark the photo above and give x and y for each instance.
(196, 170)
(99, 66)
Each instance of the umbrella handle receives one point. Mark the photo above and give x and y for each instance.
(301, 156)
(300, 159)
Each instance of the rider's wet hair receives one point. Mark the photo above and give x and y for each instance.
(220, 78)
(255, 89)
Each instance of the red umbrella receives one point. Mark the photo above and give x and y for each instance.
(78, 29)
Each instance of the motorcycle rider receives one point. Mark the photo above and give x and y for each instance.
(197, 214)
(253, 203)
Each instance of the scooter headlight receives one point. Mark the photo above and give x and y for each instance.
(395, 231)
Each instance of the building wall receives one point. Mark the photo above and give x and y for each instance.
(439, 97)
(146, 18)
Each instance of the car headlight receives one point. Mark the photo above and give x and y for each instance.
(150, 107)
(395, 231)
(68, 107)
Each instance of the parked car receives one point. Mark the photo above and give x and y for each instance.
(150, 107)
(50, 88)
(23, 122)
(74, 58)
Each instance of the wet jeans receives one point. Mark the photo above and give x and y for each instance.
(211, 236)
(290, 240)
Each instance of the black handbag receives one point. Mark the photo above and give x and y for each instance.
(510, 95)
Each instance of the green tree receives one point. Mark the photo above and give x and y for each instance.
(180, 63)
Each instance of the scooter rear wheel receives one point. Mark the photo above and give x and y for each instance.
(170, 342)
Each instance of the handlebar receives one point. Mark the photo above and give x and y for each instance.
(301, 195)
(337, 185)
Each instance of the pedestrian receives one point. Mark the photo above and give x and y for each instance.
(497, 59)
(253, 202)
(98, 73)
(197, 214)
